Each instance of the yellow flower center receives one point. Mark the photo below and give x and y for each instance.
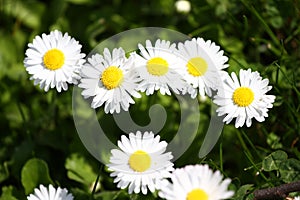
(112, 77)
(157, 66)
(197, 194)
(197, 66)
(243, 96)
(140, 161)
(54, 59)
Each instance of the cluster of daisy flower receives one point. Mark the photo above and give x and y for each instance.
(113, 79)
(62, 194)
(141, 164)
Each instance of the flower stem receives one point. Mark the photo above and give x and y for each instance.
(96, 182)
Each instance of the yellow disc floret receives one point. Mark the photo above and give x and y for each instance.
(243, 96)
(157, 66)
(112, 77)
(140, 161)
(54, 59)
(197, 66)
(197, 194)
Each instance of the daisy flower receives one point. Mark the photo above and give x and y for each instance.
(110, 80)
(157, 67)
(244, 98)
(183, 6)
(195, 182)
(203, 62)
(297, 198)
(140, 163)
(54, 60)
(50, 194)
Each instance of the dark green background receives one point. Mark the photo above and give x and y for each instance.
(39, 142)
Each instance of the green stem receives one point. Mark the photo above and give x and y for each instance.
(53, 106)
(249, 156)
(246, 27)
(203, 29)
(244, 146)
(269, 46)
(221, 153)
(238, 62)
(256, 168)
(96, 182)
(251, 144)
(285, 76)
(25, 127)
(277, 75)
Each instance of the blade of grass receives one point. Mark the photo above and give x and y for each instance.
(203, 29)
(262, 21)
(269, 46)
(251, 144)
(238, 62)
(289, 81)
(244, 146)
(246, 27)
(96, 182)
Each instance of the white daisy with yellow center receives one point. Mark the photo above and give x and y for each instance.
(50, 194)
(109, 79)
(140, 163)
(244, 98)
(54, 60)
(203, 63)
(158, 68)
(194, 182)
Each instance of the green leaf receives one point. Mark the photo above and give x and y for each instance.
(272, 161)
(274, 141)
(7, 193)
(79, 170)
(290, 170)
(35, 172)
(243, 191)
(250, 197)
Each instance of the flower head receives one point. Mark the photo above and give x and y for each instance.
(244, 98)
(203, 63)
(54, 60)
(50, 194)
(183, 6)
(195, 182)
(157, 67)
(109, 79)
(140, 163)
